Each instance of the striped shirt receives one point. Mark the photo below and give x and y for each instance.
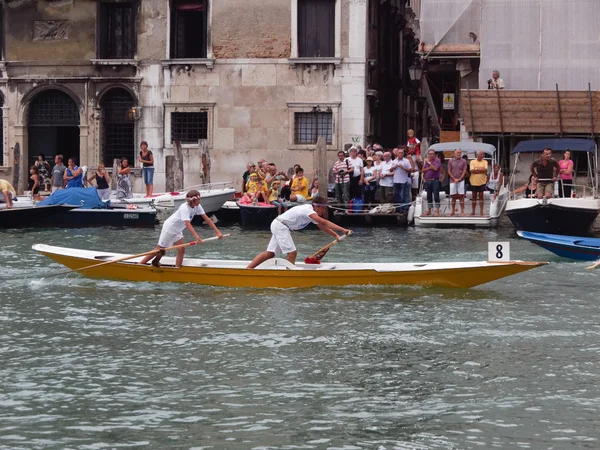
(341, 165)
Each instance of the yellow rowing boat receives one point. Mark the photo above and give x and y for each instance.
(279, 273)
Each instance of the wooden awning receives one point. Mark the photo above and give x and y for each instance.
(548, 112)
(441, 50)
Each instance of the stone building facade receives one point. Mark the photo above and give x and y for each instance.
(256, 78)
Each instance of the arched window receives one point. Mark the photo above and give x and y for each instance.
(118, 127)
(53, 126)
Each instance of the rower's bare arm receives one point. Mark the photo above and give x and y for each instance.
(211, 224)
(326, 223)
(326, 229)
(189, 226)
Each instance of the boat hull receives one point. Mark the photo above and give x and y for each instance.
(552, 217)
(572, 247)
(20, 217)
(493, 209)
(229, 213)
(257, 216)
(102, 217)
(210, 200)
(365, 218)
(234, 273)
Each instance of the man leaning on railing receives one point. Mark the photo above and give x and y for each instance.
(546, 170)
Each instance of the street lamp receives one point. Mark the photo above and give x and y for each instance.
(415, 72)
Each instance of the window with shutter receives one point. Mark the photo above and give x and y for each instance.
(316, 28)
(117, 30)
(189, 29)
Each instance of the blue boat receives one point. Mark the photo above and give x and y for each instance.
(574, 247)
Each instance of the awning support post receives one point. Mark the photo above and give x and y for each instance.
(560, 127)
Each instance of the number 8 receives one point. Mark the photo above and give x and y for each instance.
(499, 254)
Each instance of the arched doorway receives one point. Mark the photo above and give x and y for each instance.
(53, 126)
(118, 126)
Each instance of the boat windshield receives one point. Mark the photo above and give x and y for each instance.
(584, 183)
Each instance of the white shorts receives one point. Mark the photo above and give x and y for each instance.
(300, 198)
(414, 180)
(167, 239)
(457, 188)
(281, 241)
(104, 193)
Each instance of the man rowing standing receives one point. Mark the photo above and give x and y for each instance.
(172, 231)
(295, 219)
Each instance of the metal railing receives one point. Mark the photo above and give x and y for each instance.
(577, 190)
(210, 186)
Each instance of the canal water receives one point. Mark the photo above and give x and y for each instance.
(89, 364)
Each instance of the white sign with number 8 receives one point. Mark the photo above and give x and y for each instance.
(498, 251)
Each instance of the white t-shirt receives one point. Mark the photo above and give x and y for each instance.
(415, 175)
(298, 217)
(385, 169)
(176, 223)
(357, 163)
(368, 172)
(401, 176)
(378, 165)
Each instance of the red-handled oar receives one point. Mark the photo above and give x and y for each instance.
(316, 257)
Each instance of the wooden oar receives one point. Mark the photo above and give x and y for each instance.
(316, 257)
(151, 252)
(593, 266)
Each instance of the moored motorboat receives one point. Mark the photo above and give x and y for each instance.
(255, 215)
(229, 212)
(557, 215)
(212, 197)
(29, 215)
(278, 273)
(88, 210)
(574, 247)
(493, 206)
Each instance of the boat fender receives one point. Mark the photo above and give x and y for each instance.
(411, 213)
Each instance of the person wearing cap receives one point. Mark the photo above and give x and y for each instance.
(172, 230)
(252, 189)
(292, 220)
(370, 177)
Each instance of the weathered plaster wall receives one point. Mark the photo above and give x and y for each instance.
(250, 88)
(153, 30)
(251, 28)
(81, 28)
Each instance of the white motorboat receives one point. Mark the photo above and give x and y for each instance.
(493, 207)
(212, 197)
(557, 215)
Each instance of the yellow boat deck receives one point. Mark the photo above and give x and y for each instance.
(234, 274)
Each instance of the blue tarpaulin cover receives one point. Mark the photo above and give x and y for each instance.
(557, 145)
(83, 197)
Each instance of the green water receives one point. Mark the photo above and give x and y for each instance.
(89, 364)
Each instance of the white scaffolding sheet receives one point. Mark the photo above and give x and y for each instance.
(535, 44)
